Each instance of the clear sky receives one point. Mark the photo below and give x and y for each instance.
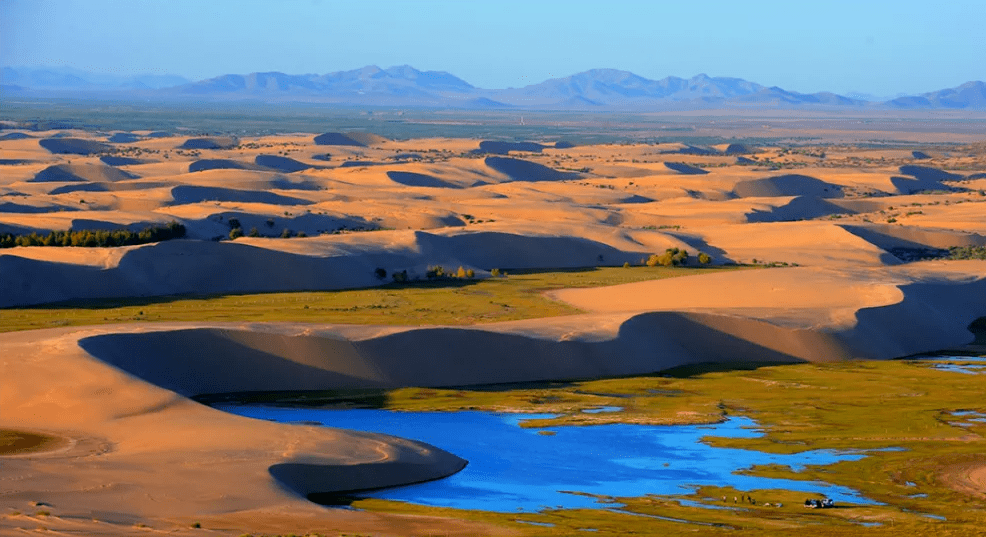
(878, 47)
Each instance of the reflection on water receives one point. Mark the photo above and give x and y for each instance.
(516, 469)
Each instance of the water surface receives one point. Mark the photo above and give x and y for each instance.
(516, 469)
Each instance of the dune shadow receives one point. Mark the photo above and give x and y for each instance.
(523, 170)
(187, 194)
(210, 142)
(73, 146)
(684, 169)
(419, 180)
(787, 185)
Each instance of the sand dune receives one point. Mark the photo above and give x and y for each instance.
(419, 180)
(14, 136)
(787, 185)
(281, 164)
(889, 237)
(73, 146)
(684, 169)
(195, 194)
(221, 164)
(119, 161)
(81, 172)
(798, 208)
(925, 173)
(523, 170)
(504, 148)
(210, 142)
(188, 266)
(358, 139)
(120, 391)
(123, 138)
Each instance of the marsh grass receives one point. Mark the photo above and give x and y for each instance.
(900, 412)
(445, 302)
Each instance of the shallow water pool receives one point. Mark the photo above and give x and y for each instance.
(516, 469)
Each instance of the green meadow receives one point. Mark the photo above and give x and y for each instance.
(441, 302)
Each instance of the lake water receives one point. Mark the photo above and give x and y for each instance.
(517, 469)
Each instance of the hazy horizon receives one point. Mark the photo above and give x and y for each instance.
(881, 49)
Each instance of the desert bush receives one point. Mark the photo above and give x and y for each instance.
(461, 273)
(286, 234)
(400, 277)
(704, 258)
(470, 273)
(495, 272)
(234, 223)
(235, 233)
(254, 232)
(301, 234)
(380, 273)
(626, 264)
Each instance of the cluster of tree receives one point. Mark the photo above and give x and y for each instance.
(438, 272)
(967, 252)
(674, 257)
(96, 238)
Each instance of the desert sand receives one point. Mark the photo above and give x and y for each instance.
(138, 451)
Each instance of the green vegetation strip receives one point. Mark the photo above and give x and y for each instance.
(100, 238)
(445, 302)
(857, 405)
(14, 442)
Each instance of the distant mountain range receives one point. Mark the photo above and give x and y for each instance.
(405, 86)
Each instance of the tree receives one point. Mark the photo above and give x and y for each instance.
(380, 273)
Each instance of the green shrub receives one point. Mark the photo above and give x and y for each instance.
(495, 272)
(672, 257)
(380, 273)
(704, 258)
(254, 232)
(235, 233)
(286, 234)
(399, 277)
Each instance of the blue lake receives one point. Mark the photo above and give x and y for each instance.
(515, 469)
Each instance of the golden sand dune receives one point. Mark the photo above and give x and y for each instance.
(140, 450)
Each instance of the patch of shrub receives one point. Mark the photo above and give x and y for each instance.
(254, 232)
(704, 258)
(286, 234)
(399, 277)
(967, 252)
(96, 238)
(235, 233)
(380, 273)
(672, 257)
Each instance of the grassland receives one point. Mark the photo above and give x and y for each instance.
(445, 302)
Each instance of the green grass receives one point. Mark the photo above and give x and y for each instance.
(447, 302)
(847, 405)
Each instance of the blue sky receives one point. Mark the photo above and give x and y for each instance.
(877, 47)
